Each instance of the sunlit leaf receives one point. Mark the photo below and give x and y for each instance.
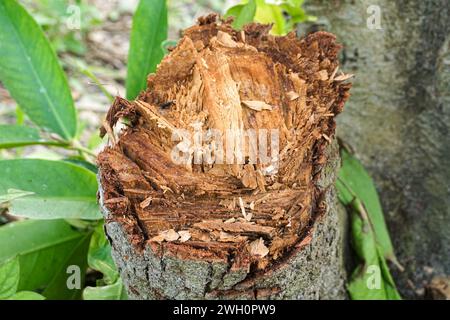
(270, 13)
(242, 13)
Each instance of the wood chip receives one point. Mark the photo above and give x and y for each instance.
(225, 39)
(257, 105)
(326, 137)
(257, 248)
(236, 227)
(184, 235)
(344, 77)
(334, 73)
(247, 216)
(322, 75)
(228, 237)
(170, 235)
(292, 95)
(159, 238)
(229, 204)
(249, 177)
(144, 204)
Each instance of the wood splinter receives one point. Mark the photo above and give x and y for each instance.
(192, 213)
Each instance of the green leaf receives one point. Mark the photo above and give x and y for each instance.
(374, 267)
(270, 13)
(82, 163)
(45, 250)
(114, 291)
(148, 32)
(9, 277)
(357, 179)
(99, 257)
(12, 194)
(12, 136)
(20, 116)
(29, 69)
(60, 189)
(243, 13)
(26, 295)
(365, 240)
(16, 136)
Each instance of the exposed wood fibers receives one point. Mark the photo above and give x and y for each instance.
(221, 79)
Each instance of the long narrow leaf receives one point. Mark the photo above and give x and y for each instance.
(56, 189)
(371, 279)
(30, 71)
(358, 180)
(148, 32)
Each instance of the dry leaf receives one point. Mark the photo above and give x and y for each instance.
(257, 105)
(184, 235)
(257, 248)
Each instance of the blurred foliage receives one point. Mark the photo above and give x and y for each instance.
(57, 19)
(284, 15)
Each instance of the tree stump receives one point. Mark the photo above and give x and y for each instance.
(221, 185)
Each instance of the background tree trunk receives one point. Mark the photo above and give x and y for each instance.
(398, 120)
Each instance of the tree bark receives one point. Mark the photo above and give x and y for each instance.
(195, 227)
(398, 120)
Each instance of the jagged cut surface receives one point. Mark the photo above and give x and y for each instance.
(218, 78)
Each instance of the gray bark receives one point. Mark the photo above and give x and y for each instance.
(398, 120)
(315, 270)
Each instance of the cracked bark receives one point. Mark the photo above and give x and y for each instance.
(219, 79)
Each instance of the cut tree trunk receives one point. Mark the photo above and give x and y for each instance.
(192, 211)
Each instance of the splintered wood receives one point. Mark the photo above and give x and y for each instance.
(189, 199)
